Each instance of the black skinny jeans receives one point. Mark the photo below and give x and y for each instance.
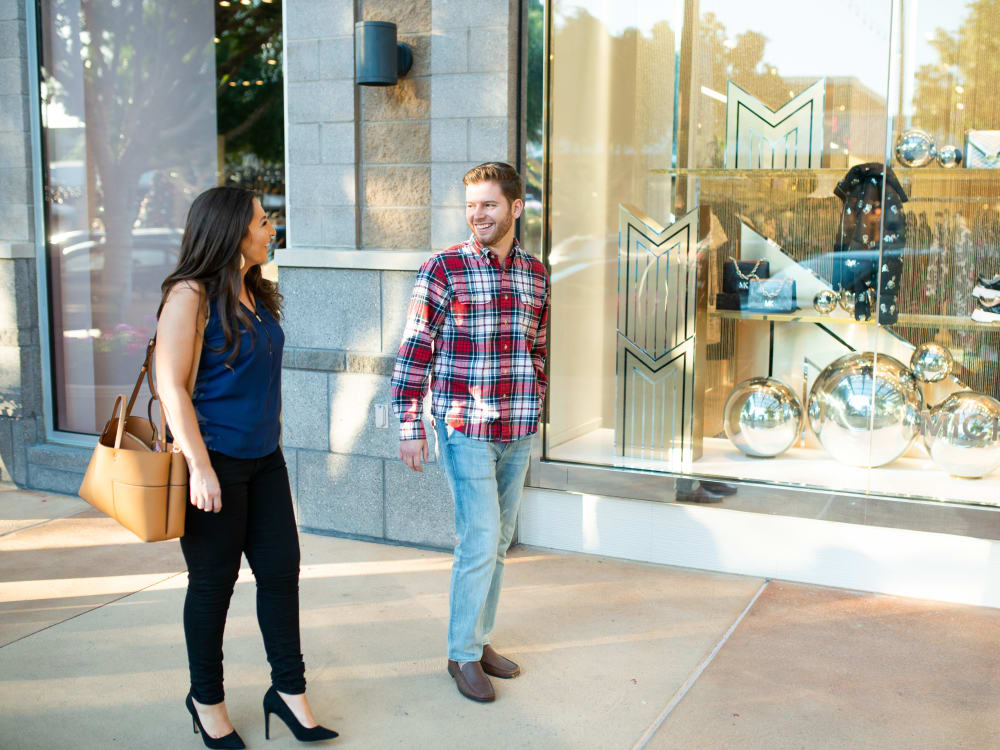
(256, 519)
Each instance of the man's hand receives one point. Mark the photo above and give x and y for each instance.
(411, 451)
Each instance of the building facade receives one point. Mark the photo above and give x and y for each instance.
(765, 259)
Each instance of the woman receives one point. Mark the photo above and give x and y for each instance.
(229, 431)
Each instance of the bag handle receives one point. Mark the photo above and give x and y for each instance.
(144, 372)
(753, 271)
(122, 418)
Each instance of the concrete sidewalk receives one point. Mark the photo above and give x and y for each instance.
(614, 654)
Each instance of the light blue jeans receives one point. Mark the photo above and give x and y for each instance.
(486, 479)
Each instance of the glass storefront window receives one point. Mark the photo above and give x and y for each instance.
(144, 105)
(534, 102)
(751, 280)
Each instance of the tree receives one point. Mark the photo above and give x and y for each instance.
(955, 93)
(145, 91)
(251, 117)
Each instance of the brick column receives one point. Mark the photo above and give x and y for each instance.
(346, 293)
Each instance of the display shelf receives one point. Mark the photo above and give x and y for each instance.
(903, 173)
(912, 476)
(809, 316)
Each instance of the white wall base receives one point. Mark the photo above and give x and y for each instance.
(869, 558)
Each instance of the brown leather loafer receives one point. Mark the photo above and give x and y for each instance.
(472, 682)
(498, 666)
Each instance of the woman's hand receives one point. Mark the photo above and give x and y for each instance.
(205, 492)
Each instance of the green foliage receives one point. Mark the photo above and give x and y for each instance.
(536, 67)
(250, 97)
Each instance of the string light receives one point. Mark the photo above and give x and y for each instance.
(224, 3)
(216, 40)
(272, 62)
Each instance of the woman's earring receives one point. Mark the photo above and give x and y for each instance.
(243, 261)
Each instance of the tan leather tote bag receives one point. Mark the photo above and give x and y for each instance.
(135, 476)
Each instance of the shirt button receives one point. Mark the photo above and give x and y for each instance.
(505, 347)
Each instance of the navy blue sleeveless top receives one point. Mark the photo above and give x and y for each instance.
(239, 405)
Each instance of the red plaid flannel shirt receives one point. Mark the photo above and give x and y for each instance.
(478, 332)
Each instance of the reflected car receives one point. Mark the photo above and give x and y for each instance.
(81, 270)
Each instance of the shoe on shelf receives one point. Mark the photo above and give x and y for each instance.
(231, 741)
(987, 287)
(719, 488)
(275, 704)
(697, 493)
(987, 310)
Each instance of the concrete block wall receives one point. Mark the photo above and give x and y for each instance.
(394, 132)
(350, 265)
(21, 423)
(319, 122)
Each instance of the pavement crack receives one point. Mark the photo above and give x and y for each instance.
(683, 690)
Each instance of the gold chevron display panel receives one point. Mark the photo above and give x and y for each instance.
(661, 307)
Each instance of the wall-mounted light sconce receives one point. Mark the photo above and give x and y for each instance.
(378, 59)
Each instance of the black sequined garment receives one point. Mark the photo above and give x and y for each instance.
(856, 260)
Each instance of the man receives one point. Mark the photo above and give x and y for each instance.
(476, 326)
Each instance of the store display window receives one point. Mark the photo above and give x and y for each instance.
(143, 106)
(774, 240)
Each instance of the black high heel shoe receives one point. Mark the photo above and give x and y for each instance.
(275, 704)
(231, 741)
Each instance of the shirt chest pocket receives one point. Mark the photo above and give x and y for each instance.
(473, 313)
(528, 306)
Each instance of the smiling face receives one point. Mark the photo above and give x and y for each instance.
(489, 214)
(258, 237)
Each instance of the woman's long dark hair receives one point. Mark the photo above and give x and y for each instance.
(210, 254)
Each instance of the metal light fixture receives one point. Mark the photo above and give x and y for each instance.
(379, 59)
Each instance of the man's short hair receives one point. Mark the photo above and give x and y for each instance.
(504, 175)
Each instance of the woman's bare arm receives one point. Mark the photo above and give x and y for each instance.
(175, 334)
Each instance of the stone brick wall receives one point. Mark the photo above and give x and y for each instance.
(395, 137)
(346, 291)
(20, 371)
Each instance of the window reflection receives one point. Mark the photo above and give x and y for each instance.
(144, 105)
(639, 95)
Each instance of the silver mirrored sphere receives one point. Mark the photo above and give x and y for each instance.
(865, 409)
(846, 299)
(931, 362)
(762, 417)
(915, 148)
(825, 301)
(962, 434)
(949, 156)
